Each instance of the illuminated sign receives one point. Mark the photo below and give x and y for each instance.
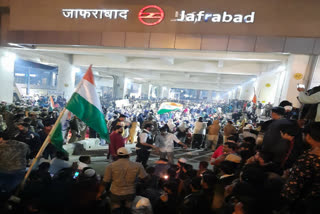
(202, 16)
(151, 15)
(95, 13)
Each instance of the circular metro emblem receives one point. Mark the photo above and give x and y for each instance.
(151, 15)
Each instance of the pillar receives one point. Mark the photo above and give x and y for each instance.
(165, 92)
(7, 60)
(209, 98)
(66, 79)
(296, 64)
(118, 87)
(145, 91)
(159, 92)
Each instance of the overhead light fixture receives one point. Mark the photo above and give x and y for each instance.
(19, 74)
(33, 75)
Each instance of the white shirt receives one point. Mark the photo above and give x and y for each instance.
(312, 99)
(57, 165)
(143, 137)
(81, 165)
(166, 143)
(199, 128)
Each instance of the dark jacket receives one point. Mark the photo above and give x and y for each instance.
(272, 141)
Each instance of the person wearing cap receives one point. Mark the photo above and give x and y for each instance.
(30, 138)
(165, 143)
(272, 141)
(35, 122)
(145, 145)
(50, 150)
(122, 174)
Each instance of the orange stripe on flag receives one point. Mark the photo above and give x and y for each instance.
(89, 75)
(175, 104)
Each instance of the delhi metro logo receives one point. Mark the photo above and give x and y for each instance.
(151, 15)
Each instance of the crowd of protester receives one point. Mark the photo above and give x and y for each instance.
(256, 166)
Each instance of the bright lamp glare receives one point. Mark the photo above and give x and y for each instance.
(75, 70)
(8, 59)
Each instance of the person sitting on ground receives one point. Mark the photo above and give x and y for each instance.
(219, 150)
(84, 162)
(161, 168)
(193, 203)
(203, 167)
(59, 162)
(228, 148)
(168, 200)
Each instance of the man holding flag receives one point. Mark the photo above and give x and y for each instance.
(85, 104)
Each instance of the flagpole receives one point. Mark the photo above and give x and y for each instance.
(43, 147)
(46, 142)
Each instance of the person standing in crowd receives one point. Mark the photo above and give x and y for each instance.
(122, 174)
(272, 141)
(116, 141)
(30, 138)
(302, 189)
(213, 135)
(145, 144)
(13, 162)
(311, 99)
(75, 129)
(3, 125)
(50, 150)
(199, 133)
(134, 129)
(118, 121)
(165, 143)
(228, 130)
(267, 109)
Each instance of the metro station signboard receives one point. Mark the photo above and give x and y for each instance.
(226, 17)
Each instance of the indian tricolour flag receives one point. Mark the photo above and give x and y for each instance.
(51, 104)
(169, 106)
(85, 104)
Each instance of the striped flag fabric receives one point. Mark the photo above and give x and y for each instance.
(51, 104)
(57, 138)
(254, 99)
(85, 104)
(169, 106)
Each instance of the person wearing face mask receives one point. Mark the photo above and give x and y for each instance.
(165, 143)
(30, 138)
(116, 141)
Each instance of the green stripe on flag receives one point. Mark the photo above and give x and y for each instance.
(162, 111)
(57, 138)
(89, 114)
